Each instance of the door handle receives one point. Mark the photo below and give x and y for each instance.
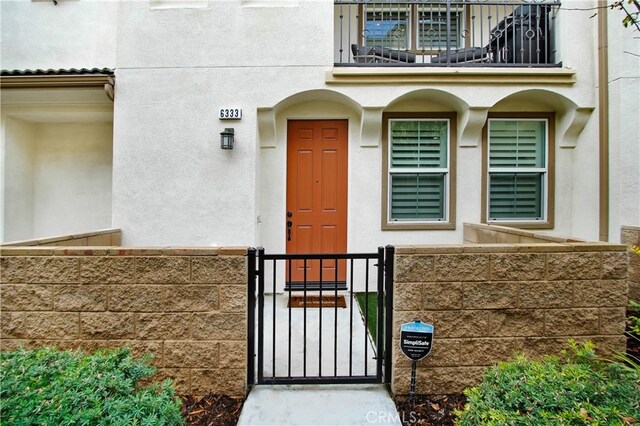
(289, 225)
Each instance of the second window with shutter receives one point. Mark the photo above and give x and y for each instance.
(517, 170)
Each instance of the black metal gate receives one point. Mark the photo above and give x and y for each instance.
(328, 337)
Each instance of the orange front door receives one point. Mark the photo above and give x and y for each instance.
(317, 196)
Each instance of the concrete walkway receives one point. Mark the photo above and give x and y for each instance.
(346, 346)
(319, 405)
(339, 338)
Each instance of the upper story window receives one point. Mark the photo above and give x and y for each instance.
(387, 26)
(411, 26)
(432, 28)
(519, 184)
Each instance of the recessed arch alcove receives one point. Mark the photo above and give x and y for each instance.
(570, 117)
(320, 103)
(273, 121)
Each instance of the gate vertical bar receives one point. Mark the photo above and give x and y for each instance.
(388, 278)
(273, 323)
(380, 314)
(290, 303)
(366, 316)
(251, 315)
(352, 301)
(261, 315)
(320, 326)
(335, 320)
(304, 322)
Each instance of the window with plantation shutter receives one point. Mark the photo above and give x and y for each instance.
(418, 170)
(432, 28)
(518, 169)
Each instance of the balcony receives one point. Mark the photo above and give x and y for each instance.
(445, 33)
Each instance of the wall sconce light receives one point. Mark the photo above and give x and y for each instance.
(226, 138)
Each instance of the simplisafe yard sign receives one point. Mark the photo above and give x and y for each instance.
(416, 339)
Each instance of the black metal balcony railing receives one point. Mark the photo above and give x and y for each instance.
(450, 33)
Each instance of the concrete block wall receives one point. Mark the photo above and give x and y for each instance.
(489, 301)
(187, 306)
(101, 238)
(630, 235)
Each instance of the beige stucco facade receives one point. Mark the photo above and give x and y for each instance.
(177, 62)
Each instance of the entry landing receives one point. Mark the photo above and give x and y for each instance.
(319, 405)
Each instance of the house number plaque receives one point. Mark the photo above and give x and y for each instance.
(230, 113)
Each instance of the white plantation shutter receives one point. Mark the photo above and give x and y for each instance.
(432, 28)
(418, 154)
(517, 169)
(517, 144)
(515, 196)
(417, 196)
(418, 144)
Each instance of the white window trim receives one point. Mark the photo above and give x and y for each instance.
(439, 170)
(545, 173)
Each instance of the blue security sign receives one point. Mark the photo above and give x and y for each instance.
(416, 339)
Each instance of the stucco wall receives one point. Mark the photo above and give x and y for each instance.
(185, 306)
(489, 301)
(73, 34)
(72, 177)
(57, 176)
(166, 137)
(19, 150)
(174, 186)
(630, 235)
(624, 126)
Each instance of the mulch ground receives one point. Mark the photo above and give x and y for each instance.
(436, 410)
(211, 410)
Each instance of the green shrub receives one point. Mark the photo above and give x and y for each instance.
(634, 319)
(575, 388)
(50, 387)
(630, 358)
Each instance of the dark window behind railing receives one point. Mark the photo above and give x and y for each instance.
(446, 33)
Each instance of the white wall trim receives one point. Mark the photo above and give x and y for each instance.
(371, 126)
